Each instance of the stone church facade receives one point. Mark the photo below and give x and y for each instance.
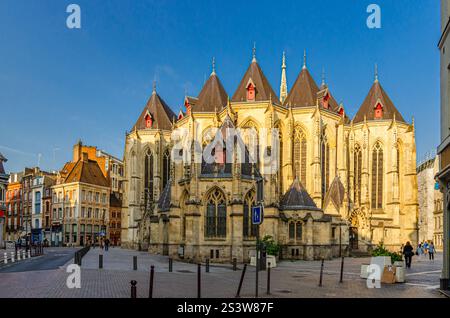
(339, 184)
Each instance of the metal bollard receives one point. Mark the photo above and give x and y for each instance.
(24, 254)
(12, 257)
(170, 264)
(234, 264)
(342, 270)
(29, 254)
(152, 274)
(199, 280)
(321, 273)
(135, 263)
(241, 281)
(207, 265)
(18, 255)
(268, 279)
(6, 257)
(100, 260)
(133, 288)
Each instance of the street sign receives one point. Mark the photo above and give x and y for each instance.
(257, 214)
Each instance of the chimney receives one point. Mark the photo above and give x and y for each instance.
(84, 157)
(77, 151)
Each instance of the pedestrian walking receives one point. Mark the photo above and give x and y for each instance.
(419, 250)
(431, 251)
(425, 247)
(408, 251)
(106, 244)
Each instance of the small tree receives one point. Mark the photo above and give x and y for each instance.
(272, 248)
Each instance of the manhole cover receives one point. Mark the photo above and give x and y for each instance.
(284, 291)
(184, 271)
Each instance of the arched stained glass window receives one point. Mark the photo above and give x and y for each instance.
(299, 155)
(216, 215)
(377, 176)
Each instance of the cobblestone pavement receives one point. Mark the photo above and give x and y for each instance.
(289, 279)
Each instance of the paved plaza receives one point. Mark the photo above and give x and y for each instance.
(289, 279)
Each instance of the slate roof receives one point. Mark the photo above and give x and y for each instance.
(297, 198)
(159, 110)
(165, 198)
(335, 193)
(262, 85)
(377, 93)
(212, 97)
(304, 91)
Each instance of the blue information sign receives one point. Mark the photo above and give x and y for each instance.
(257, 214)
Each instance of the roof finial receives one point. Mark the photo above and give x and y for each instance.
(154, 87)
(376, 72)
(213, 66)
(323, 76)
(283, 85)
(283, 65)
(304, 58)
(254, 52)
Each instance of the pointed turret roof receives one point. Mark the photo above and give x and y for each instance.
(264, 91)
(212, 96)
(160, 112)
(297, 198)
(377, 95)
(335, 193)
(304, 91)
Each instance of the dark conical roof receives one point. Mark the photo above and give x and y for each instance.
(165, 198)
(297, 198)
(262, 85)
(304, 91)
(161, 113)
(367, 108)
(212, 96)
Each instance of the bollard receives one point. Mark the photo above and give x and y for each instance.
(268, 279)
(152, 274)
(100, 260)
(12, 257)
(6, 257)
(234, 264)
(241, 281)
(18, 255)
(207, 265)
(342, 269)
(24, 254)
(170, 264)
(29, 254)
(133, 288)
(321, 273)
(135, 263)
(199, 280)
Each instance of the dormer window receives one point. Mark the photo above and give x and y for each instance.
(251, 91)
(326, 97)
(148, 121)
(341, 111)
(378, 111)
(188, 106)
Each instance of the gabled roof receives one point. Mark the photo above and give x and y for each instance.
(160, 112)
(212, 96)
(297, 198)
(165, 198)
(304, 91)
(377, 94)
(335, 193)
(86, 171)
(262, 85)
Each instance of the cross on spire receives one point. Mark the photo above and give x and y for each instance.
(304, 59)
(154, 87)
(376, 72)
(213, 66)
(254, 52)
(323, 76)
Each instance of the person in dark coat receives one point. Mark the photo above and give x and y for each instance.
(408, 251)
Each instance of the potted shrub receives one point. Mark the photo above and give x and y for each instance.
(272, 250)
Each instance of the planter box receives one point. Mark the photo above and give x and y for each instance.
(399, 264)
(399, 274)
(382, 261)
(364, 274)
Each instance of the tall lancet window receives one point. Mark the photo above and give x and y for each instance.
(148, 176)
(249, 229)
(324, 163)
(280, 159)
(216, 215)
(299, 155)
(166, 168)
(357, 163)
(377, 176)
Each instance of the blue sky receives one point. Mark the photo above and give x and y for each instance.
(58, 84)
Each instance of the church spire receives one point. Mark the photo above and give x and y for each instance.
(154, 87)
(254, 53)
(283, 86)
